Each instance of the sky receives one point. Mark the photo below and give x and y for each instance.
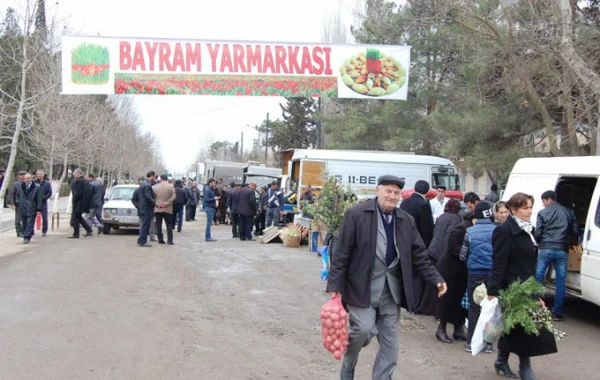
(183, 124)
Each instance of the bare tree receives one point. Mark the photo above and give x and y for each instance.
(22, 51)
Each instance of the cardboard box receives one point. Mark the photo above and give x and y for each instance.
(574, 259)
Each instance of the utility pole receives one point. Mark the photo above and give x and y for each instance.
(267, 140)
(242, 146)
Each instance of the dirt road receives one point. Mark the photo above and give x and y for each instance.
(103, 308)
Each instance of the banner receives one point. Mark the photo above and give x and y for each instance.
(113, 65)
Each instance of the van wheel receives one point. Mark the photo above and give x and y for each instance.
(106, 230)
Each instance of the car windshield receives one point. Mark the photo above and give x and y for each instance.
(122, 193)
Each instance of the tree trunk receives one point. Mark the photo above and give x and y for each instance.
(547, 120)
(568, 53)
(19, 121)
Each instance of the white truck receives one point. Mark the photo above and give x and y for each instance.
(575, 181)
(360, 169)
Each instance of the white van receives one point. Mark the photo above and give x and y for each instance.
(575, 181)
(360, 169)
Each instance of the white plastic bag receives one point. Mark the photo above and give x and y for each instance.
(487, 313)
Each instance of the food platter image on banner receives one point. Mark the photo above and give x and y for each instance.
(375, 74)
(155, 66)
(379, 72)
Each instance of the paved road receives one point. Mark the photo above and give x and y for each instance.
(103, 308)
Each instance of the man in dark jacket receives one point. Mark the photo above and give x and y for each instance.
(95, 202)
(192, 204)
(261, 213)
(29, 205)
(81, 195)
(555, 223)
(247, 210)
(377, 250)
(146, 205)
(44, 192)
(210, 206)
(233, 201)
(223, 204)
(14, 204)
(419, 208)
(181, 199)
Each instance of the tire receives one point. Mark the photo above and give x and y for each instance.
(106, 229)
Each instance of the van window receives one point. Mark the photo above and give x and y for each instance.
(576, 194)
(451, 181)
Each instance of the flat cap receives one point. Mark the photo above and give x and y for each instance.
(390, 180)
(22, 172)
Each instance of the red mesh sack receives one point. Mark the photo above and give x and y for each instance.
(334, 327)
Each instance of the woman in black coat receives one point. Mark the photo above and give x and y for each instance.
(514, 258)
(441, 232)
(448, 308)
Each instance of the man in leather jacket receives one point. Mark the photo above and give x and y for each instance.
(554, 225)
(146, 200)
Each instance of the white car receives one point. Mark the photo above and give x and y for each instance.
(118, 210)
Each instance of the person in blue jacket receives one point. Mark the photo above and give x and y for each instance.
(477, 247)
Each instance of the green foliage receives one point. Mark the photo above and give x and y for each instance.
(517, 301)
(521, 306)
(330, 206)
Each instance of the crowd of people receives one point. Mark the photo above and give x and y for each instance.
(248, 209)
(428, 256)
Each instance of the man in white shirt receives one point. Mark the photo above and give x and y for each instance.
(439, 202)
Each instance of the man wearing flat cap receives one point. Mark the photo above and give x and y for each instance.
(378, 249)
(14, 204)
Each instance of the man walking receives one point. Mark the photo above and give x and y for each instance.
(233, 201)
(44, 192)
(165, 196)
(146, 202)
(210, 205)
(378, 248)
(247, 210)
(181, 199)
(192, 204)
(95, 203)
(554, 225)
(29, 204)
(14, 204)
(223, 201)
(81, 194)
(274, 205)
(261, 214)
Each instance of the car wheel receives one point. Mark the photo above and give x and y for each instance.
(106, 229)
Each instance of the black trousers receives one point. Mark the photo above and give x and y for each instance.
(28, 221)
(18, 221)
(473, 281)
(260, 222)
(190, 212)
(235, 220)
(223, 215)
(146, 216)
(76, 221)
(246, 227)
(44, 212)
(168, 218)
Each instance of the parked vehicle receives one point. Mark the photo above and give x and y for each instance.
(118, 210)
(575, 181)
(360, 170)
